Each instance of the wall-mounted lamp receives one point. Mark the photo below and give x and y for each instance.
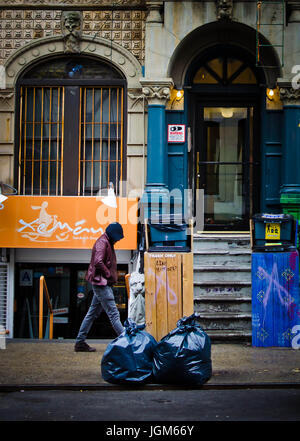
(227, 112)
(270, 94)
(176, 99)
(179, 94)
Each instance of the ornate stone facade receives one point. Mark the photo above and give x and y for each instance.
(19, 27)
(74, 3)
(289, 95)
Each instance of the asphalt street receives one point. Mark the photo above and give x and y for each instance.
(180, 406)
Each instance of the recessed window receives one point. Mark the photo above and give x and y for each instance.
(71, 129)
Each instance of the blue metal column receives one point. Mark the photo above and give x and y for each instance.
(157, 171)
(156, 194)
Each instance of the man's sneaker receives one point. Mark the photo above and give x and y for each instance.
(82, 346)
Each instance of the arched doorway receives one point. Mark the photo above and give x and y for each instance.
(237, 83)
(224, 108)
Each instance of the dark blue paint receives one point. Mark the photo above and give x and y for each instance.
(291, 150)
(275, 298)
(157, 171)
(271, 159)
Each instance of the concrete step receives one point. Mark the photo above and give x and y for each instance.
(229, 335)
(222, 257)
(227, 321)
(222, 273)
(241, 288)
(221, 242)
(222, 303)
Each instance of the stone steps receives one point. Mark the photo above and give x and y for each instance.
(222, 285)
(225, 257)
(233, 304)
(227, 321)
(217, 287)
(229, 336)
(221, 273)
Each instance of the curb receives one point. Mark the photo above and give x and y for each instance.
(4, 388)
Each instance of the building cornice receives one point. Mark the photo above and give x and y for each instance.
(73, 4)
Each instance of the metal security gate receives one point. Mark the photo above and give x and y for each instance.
(71, 140)
(3, 302)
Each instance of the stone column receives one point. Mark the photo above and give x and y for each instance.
(157, 93)
(290, 189)
(294, 8)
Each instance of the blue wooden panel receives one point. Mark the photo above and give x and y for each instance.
(271, 159)
(177, 154)
(273, 177)
(275, 298)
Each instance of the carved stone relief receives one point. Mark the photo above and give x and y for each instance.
(289, 95)
(156, 92)
(71, 28)
(224, 9)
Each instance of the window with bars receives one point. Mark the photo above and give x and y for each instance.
(71, 131)
(101, 139)
(41, 140)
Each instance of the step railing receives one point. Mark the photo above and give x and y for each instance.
(44, 290)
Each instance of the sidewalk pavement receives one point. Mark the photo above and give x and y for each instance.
(54, 364)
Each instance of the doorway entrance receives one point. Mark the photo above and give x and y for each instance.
(224, 106)
(225, 166)
(70, 296)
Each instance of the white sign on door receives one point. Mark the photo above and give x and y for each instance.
(176, 132)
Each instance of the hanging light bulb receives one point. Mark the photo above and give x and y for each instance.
(179, 94)
(227, 112)
(270, 94)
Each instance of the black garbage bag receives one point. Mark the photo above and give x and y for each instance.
(184, 355)
(128, 359)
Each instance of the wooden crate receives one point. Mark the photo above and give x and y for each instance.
(169, 293)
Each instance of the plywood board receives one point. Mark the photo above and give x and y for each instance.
(168, 290)
(187, 284)
(150, 300)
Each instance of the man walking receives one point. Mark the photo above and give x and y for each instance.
(102, 274)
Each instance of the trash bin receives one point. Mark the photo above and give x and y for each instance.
(168, 231)
(274, 232)
(275, 280)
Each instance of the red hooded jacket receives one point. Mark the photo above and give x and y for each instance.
(103, 266)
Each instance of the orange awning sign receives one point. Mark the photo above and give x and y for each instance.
(64, 222)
